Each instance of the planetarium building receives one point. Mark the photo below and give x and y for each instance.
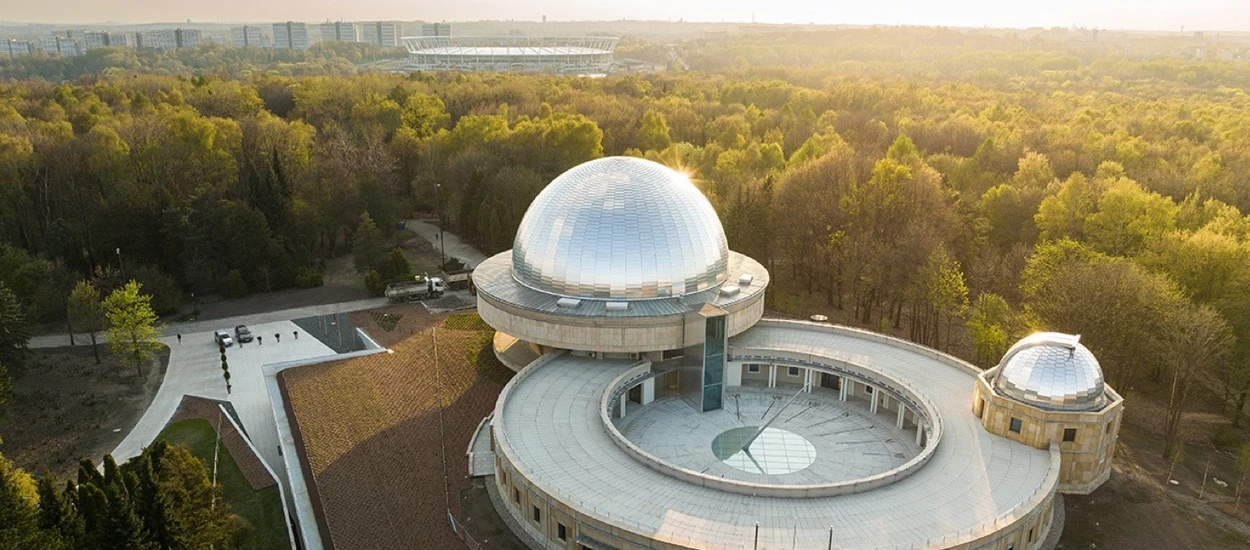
(655, 407)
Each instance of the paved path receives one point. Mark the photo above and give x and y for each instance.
(454, 246)
(228, 323)
(195, 369)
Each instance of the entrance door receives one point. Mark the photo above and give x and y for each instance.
(831, 381)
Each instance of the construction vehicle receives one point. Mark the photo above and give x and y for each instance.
(419, 288)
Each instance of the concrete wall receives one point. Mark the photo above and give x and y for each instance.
(607, 334)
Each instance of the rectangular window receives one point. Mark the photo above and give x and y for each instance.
(1109, 427)
(1016, 425)
(538, 515)
(867, 389)
(794, 371)
(754, 369)
(516, 495)
(1069, 434)
(562, 532)
(1030, 534)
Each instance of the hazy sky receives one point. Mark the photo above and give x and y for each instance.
(1108, 14)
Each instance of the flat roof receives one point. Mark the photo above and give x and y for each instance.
(549, 425)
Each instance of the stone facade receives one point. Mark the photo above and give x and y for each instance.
(1086, 440)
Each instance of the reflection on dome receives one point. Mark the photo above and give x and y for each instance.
(1052, 371)
(620, 227)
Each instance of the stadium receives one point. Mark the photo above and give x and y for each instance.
(656, 407)
(555, 54)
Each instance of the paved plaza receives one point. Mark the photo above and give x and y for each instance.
(850, 443)
(195, 369)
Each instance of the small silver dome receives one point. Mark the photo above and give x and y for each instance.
(1052, 371)
(620, 227)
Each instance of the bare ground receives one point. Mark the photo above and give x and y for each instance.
(64, 407)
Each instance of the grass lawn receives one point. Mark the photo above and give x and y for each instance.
(262, 509)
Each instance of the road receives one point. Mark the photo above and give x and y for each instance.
(186, 329)
(454, 246)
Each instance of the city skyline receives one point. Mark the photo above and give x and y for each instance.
(1162, 15)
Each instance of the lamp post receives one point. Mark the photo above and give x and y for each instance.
(442, 255)
(121, 267)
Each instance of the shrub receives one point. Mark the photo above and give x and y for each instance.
(306, 277)
(166, 296)
(373, 282)
(233, 286)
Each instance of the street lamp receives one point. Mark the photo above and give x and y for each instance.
(442, 255)
(120, 266)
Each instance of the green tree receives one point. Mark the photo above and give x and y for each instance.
(14, 334)
(19, 512)
(990, 327)
(374, 284)
(368, 252)
(233, 286)
(133, 333)
(86, 313)
(653, 132)
(397, 265)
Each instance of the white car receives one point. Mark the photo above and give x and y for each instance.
(223, 338)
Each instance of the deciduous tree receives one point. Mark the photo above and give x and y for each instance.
(133, 333)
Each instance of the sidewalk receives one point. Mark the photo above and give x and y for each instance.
(455, 247)
(172, 330)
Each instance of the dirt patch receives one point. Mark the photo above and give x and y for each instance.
(1137, 508)
(374, 439)
(65, 407)
(479, 517)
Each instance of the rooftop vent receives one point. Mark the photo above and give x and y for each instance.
(745, 279)
(568, 302)
(616, 306)
(730, 290)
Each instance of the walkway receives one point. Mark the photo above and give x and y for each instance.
(195, 369)
(454, 246)
(228, 323)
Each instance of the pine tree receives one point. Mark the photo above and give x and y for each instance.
(367, 250)
(14, 333)
(122, 529)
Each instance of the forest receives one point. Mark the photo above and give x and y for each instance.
(959, 188)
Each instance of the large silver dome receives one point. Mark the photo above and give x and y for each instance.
(1052, 371)
(620, 227)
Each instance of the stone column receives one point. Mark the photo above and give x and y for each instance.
(772, 376)
(873, 397)
(919, 430)
(901, 413)
(648, 390)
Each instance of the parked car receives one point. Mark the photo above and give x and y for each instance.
(242, 334)
(223, 338)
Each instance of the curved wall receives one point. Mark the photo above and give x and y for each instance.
(607, 334)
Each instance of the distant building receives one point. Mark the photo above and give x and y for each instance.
(102, 39)
(248, 36)
(169, 39)
(339, 31)
(62, 45)
(381, 33)
(436, 29)
(291, 36)
(16, 48)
